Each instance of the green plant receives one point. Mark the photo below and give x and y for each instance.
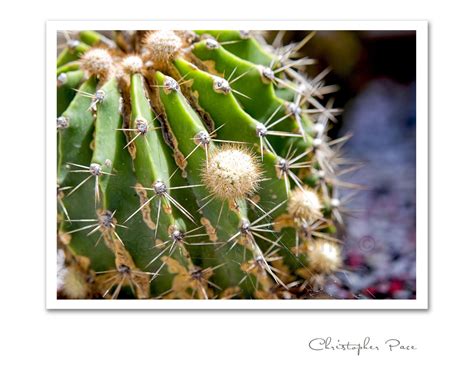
(193, 165)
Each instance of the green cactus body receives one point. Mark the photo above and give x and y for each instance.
(182, 174)
(71, 53)
(224, 109)
(242, 44)
(255, 88)
(67, 83)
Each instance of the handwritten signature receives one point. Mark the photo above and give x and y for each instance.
(328, 344)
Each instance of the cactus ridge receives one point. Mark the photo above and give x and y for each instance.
(195, 165)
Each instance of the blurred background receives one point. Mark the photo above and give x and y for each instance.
(376, 73)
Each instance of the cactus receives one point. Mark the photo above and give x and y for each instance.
(194, 165)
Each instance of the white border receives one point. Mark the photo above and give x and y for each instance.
(421, 302)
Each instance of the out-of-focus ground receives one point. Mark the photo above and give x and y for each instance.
(376, 73)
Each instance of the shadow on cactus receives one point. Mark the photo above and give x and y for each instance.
(195, 165)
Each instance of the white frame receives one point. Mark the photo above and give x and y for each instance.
(422, 195)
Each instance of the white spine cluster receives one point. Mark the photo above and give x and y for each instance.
(162, 46)
(97, 62)
(324, 257)
(304, 205)
(132, 64)
(232, 173)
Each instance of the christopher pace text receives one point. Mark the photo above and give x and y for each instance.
(337, 344)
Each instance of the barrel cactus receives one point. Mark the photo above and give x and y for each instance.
(194, 165)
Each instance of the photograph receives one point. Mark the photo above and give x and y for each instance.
(236, 168)
(236, 191)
